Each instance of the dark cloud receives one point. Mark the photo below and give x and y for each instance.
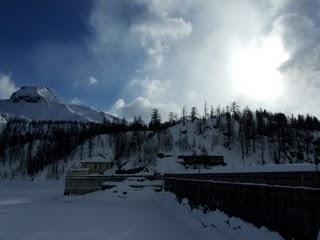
(298, 23)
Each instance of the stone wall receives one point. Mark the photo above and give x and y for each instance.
(77, 185)
(294, 212)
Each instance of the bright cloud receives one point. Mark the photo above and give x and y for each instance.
(76, 101)
(255, 69)
(170, 53)
(93, 81)
(7, 86)
(152, 89)
(141, 107)
(156, 35)
(184, 52)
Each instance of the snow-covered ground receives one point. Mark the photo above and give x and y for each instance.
(172, 165)
(40, 211)
(102, 151)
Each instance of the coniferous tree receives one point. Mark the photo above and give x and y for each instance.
(193, 114)
(172, 118)
(155, 122)
(211, 112)
(184, 115)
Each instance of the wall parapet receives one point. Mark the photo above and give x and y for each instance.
(294, 212)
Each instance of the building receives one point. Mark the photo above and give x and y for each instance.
(78, 171)
(206, 160)
(96, 167)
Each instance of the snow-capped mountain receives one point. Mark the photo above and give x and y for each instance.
(40, 103)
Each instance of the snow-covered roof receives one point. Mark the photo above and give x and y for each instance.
(93, 161)
(79, 169)
(98, 158)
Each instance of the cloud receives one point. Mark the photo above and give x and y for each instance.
(93, 81)
(190, 49)
(170, 53)
(7, 86)
(141, 107)
(76, 101)
(152, 89)
(298, 26)
(175, 52)
(138, 107)
(157, 34)
(147, 94)
(181, 52)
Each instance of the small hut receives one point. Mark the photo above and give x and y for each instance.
(98, 167)
(78, 171)
(97, 164)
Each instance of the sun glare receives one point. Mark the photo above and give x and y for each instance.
(255, 69)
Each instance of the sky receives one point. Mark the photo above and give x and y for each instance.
(129, 56)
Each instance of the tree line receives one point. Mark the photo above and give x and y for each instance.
(35, 145)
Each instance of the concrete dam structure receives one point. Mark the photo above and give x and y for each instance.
(294, 212)
(287, 202)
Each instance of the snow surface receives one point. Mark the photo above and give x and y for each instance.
(98, 157)
(3, 123)
(38, 210)
(172, 165)
(102, 150)
(32, 94)
(40, 103)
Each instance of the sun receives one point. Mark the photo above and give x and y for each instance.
(255, 69)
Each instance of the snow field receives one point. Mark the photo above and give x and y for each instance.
(38, 210)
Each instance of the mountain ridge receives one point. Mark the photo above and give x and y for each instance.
(40, 104)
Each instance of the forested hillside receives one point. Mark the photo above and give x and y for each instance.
(243, 137)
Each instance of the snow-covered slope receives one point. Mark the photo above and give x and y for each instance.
(140, 149)
(40, 103)
(3, 122)
(244, 146)
(33, 95)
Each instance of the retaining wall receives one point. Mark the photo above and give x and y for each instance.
(289, 209)
(77, 185)
(306, 179)
(294, 212)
